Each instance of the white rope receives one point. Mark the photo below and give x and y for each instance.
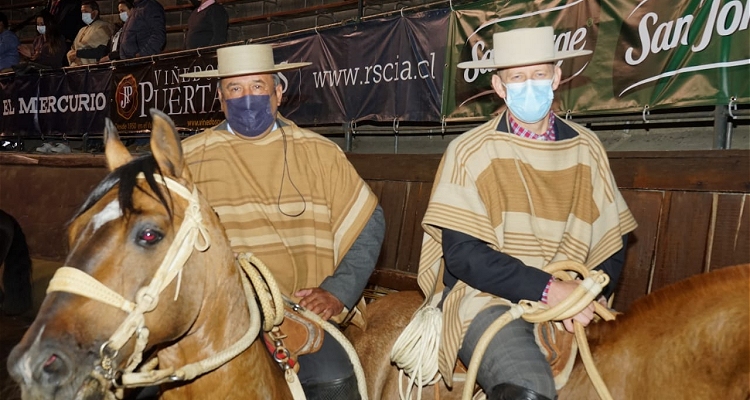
(269, 294)
(415, 352)
(535, 312)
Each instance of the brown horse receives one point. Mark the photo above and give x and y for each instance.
(120, 237)
(689, 340)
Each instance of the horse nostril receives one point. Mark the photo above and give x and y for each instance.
(54, 370)
(53, 365)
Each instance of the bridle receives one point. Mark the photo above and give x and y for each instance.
(192, 234)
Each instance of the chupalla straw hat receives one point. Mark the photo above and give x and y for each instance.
(524, 46)
(247, 59)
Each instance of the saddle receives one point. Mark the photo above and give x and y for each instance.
(296, 336)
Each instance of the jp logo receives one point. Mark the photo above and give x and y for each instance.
(127, 96)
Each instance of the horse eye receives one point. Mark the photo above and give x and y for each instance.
(149, 237)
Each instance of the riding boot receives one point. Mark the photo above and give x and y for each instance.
(509, 391)
(340, 389)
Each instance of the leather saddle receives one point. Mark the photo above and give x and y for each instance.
(297, 335)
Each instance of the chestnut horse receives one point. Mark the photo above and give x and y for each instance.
(689, 340)
(120, 237)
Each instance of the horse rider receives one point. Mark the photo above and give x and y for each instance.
(291, 197)
(512, 195)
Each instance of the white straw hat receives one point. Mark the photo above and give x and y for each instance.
(247, 59)
(524, 46)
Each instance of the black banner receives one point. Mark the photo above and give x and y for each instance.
(18, 116)
(191, 103)
(380, 70)
(383, 69)
(56, 104)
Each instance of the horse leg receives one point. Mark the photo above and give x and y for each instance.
(14, 253)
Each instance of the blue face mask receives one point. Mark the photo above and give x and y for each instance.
(250, 115)
(529, 101)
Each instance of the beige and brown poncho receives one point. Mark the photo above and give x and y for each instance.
(537, 201)
(300, 221)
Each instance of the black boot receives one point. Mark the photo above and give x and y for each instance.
(509, 391)
(340, 389)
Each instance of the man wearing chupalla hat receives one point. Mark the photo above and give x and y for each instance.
(291, 197)
(511, 196)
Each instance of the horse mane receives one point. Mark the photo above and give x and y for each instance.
(127, 177)
(675, 296)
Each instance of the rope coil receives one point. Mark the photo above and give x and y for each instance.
(272, 303)
(415, 352)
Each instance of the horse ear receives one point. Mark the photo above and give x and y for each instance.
(116, 153)
(166, 146)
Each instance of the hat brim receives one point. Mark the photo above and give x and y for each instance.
(214, 73)
(491, 64)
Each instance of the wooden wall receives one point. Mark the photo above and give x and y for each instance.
(693, 212)
(692, 207)
(43, 192)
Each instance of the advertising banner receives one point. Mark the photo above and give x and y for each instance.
(19, 114)
(647, 53)
(73, 103)
(191, 103)
(381, 70)
(56, 103)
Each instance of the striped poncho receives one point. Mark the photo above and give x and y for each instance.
(537, 201)
(291, 197)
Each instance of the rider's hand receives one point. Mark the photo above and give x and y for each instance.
(320, 302)
(559, 291)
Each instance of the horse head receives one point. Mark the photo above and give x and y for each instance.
(148, 258)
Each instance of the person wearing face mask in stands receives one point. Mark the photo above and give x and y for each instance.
(91, 42)
(145, 31)
(510, 197)
(48, 48)
(291, 197)
(123, 7)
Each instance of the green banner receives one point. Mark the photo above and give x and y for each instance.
(649, 53)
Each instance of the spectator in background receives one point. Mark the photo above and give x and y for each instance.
(91, 42)
(145, 32)
(124, 7)
(67, 15)
(48, 48)
(207, 25)
(8, 45)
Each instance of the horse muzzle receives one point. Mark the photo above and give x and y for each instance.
(46, 373)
